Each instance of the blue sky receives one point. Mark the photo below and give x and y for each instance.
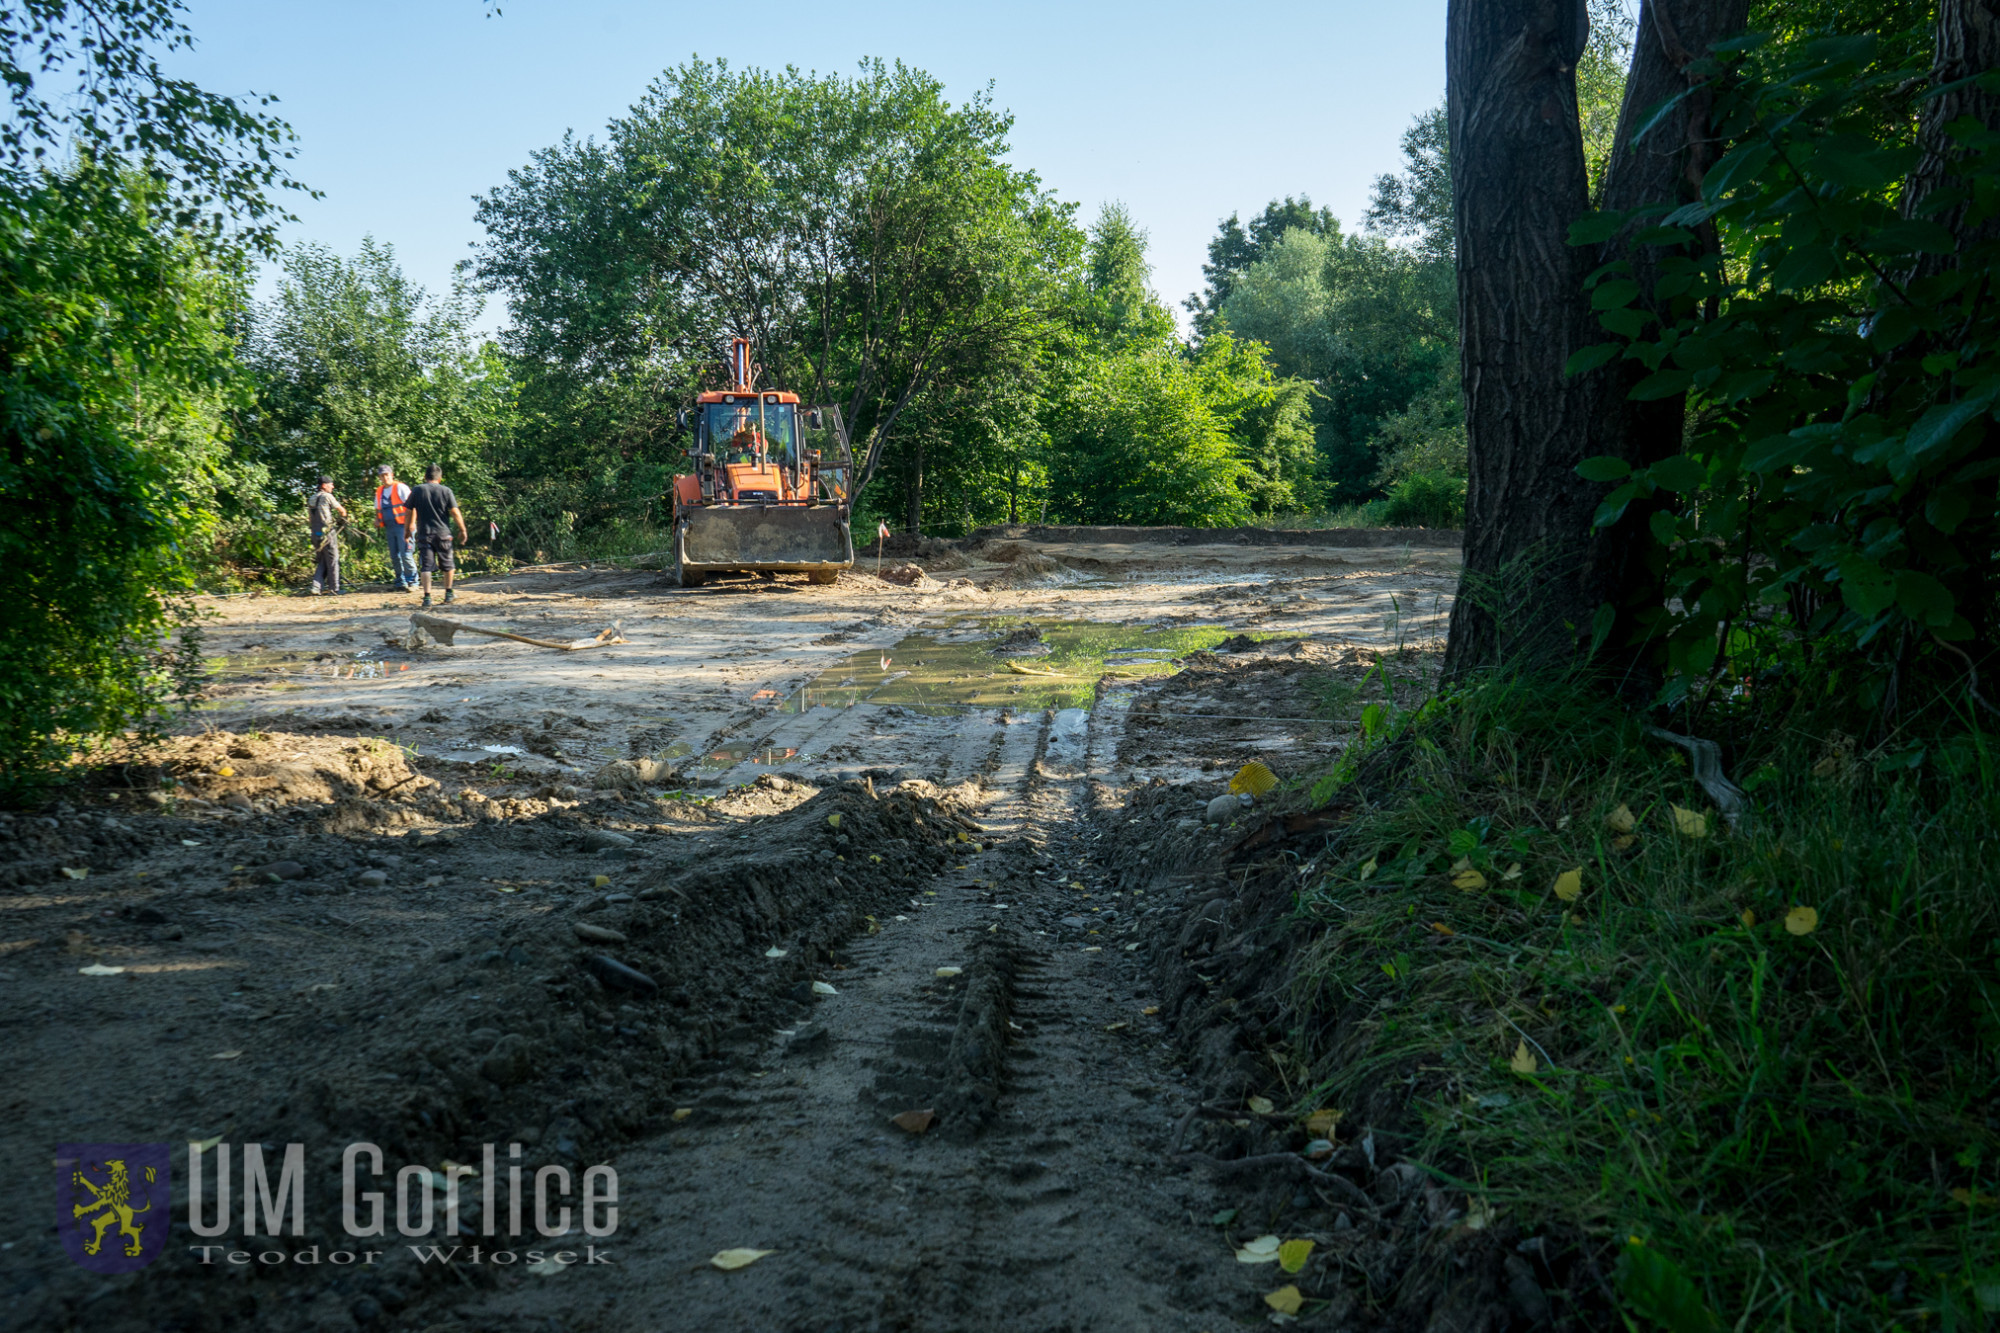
(1185, 112)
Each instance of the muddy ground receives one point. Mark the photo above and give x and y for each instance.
(715, 905)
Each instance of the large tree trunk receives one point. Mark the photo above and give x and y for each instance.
(1536, 573)
(1968, 44)
(1518, 181)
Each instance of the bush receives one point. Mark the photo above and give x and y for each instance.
(1425, 500)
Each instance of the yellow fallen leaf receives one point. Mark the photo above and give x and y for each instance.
(1464, 876)
(1254, 778)
(1261, 1106)
(730, 1260)
(1569, 885)
(1076, 884)
(1801, 921)
(1513, 872)
(83, 873)
(225, 1055)
(1478, 1215)
(1621, 820)
(875, 858)
(1368, 867)
(1286, 1299)
(1620, 844)
(1442, 929)
(599, 881)
(913, 1122)
(1749, 918)
(1116, 1027)
(874, 926)
(1150, 1010)
(683, 1112)
(833, 821)
(1263, 1250)
(1690, 823)
(548, 1267)
(1292, 1255)
(1321, 1122)
(203, 1145)
(1523, 1061)
(948, 971)
(225, 772)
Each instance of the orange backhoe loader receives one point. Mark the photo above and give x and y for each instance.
(771, 485)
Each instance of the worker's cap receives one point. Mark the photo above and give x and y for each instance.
(384, 470)
(326, 481)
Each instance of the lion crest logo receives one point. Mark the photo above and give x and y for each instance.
(113, 1202)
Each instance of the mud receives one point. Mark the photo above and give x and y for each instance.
(720, 908)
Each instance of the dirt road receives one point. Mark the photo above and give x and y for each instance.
(711, 906)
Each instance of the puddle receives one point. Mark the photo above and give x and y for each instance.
(953, 667)
(725, 759)
(297, 668)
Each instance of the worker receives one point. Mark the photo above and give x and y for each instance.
(322, 511)
(434, 510)
(392, 515)
(743, 446)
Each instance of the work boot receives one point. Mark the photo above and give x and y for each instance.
(427, 599)
(450, 595)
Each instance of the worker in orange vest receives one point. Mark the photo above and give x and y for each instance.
(392, 515)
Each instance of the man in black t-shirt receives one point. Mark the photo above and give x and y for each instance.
(434, 511)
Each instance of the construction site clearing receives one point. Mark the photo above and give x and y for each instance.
(729, 886)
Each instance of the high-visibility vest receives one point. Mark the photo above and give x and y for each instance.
(399, 508)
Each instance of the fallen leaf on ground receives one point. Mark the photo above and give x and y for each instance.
(949, 971)
(1478, 1215)
(1569, 885)
(913, 1122)
(1114, 1027)
(1523, 1061)
(1254, 778)
(83, 873)
(1749, 918)
(1322, 1121)
(728, 1260)
(833, 821)
(1263, 1250)
(599, 881)
(546, 1268)
(1292, 1255)
(1318, 1150)
(1286, 1299)
(774, 952)
(1076, 884)
(1261, 1106)
(683, 1112)
(1621, 820)
(874, 926)
(1513, 872)
(225, 772)
(98, 970)
(203, 1145)
(225, 1055)
(1150, 1010)
(1442, 929)
(189, 842)
(824, 988)
(1690, 823)
(1464, 876)
(1368, 867)
(1801, 921)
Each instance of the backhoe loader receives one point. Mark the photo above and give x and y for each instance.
(771, 486)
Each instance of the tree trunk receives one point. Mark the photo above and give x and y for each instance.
(916, 486)
(1536, 573)
(1518, 181)
(1968, 44)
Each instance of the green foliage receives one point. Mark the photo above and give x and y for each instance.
(355, 367)
(1792, 1120)
(1425, 500)
(115, 384)
(1600, 84)
(1838, 359)
(1236, 249)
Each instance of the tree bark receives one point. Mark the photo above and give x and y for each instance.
(1967, 44)
(1536, 573)
(915, 493)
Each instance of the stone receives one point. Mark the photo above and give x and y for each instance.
(511, 1061)
(1225, 808)
(618, 976)
(372, 879)
(601, 839)
(590, 934)
(282, 870)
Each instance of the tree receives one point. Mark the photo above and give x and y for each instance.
(357, 366)
(866, 235)
(1540, 579)
(1235, 249)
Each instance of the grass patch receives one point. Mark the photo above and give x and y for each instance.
(1767, 1117)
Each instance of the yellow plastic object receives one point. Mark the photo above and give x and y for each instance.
(1253, 778)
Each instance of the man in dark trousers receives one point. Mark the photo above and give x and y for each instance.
(392, 515)
(434, 510)
(321, 512)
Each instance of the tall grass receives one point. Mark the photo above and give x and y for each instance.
(1756, 1067)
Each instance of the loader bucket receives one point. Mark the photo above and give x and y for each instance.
(794, 539)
